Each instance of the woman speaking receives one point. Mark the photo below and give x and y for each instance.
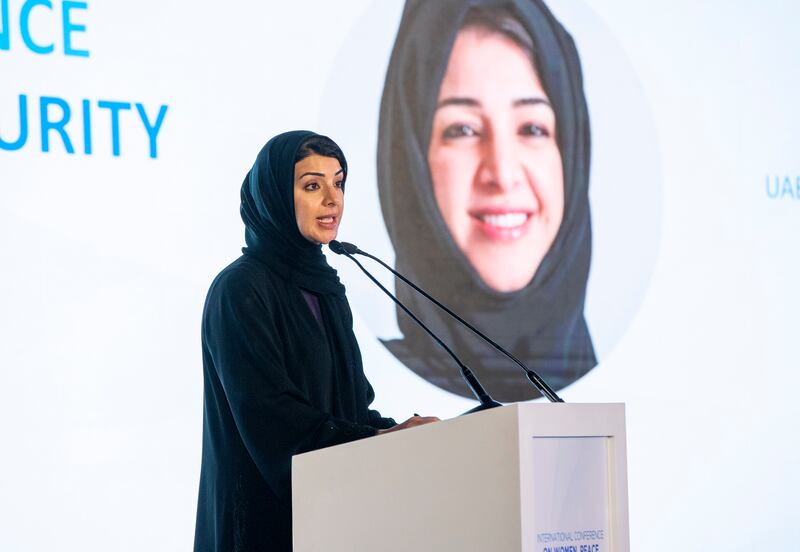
(282, 368)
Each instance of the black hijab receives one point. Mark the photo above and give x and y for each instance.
(542, 324)
(267, 209)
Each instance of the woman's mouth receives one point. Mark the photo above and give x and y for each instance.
(507, 225)
(329, 222)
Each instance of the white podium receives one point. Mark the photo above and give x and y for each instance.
(526, 477)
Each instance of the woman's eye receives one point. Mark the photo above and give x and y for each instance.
(311, 186)
(532, 129)
(340, 184)
(459, 130)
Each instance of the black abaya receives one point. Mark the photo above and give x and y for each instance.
(278, 382)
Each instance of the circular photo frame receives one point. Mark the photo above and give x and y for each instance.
(508, 164)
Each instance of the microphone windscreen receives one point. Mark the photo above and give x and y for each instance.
(336, 247)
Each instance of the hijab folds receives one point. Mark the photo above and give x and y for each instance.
(543, 323)
(271, 231)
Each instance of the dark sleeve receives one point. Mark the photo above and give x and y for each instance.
(273, 417)
(375, 419)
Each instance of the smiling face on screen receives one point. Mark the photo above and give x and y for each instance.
(494, 161)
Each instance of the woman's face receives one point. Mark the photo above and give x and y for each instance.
(318, 197)
(494, 161)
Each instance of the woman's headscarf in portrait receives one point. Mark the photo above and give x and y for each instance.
(543, 323)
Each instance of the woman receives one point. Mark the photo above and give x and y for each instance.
(282, 369)
(483, 164)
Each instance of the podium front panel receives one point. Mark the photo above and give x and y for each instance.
(574, 490)
(571, 493)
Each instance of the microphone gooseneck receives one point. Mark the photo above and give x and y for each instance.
(349, 249)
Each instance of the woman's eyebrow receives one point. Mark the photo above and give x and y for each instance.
(311, 174)
(469, 102)
(472, 102)
(531, 101)
(340, 171)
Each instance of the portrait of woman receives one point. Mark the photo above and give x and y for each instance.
(483, 174)
(282, 368)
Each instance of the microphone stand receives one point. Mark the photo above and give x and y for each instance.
(541, 385)
(486, 401)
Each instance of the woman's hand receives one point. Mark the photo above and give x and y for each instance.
(415, 420)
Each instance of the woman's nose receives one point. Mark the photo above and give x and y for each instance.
(331, 197)
(501, 166)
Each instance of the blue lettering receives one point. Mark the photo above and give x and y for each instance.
(70, 27)
(87, 128)
(152, 130)
(47, 125)
(23, 127)
(787, 188)
(769, 188)
(114, 108)
(783, 187)
(24, 25)
(4, 34)
(55, 115)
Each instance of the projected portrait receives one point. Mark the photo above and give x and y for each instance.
(483, 170)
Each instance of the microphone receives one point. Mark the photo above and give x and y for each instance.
(475, 386)
(349, 249)
(343, 248)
